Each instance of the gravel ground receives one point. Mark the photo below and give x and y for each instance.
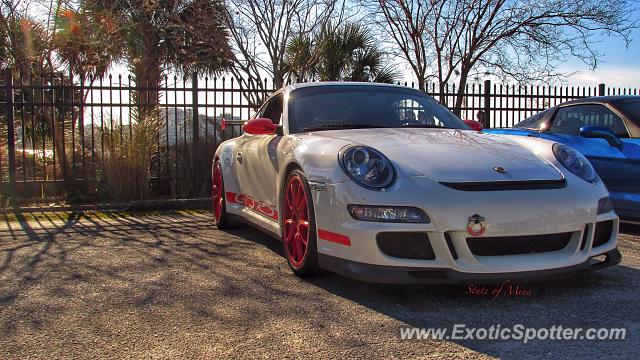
(169, 285)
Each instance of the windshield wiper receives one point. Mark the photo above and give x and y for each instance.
(341, 126)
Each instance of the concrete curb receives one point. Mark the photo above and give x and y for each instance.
(141, 205)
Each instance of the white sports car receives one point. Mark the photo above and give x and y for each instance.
(382, 183)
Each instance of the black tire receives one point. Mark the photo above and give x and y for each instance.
(309, 264)
(223, 221)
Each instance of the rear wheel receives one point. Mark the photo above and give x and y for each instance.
(298, 225)
(218, 201)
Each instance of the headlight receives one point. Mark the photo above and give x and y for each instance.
(574, 162)
(394, 214)
(367, 166)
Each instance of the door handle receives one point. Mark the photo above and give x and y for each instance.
(239, 157)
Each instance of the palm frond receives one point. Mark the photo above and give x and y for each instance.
(341, 52)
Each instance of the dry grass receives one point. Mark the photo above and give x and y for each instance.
(125, 163)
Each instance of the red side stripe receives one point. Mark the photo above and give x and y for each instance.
(333, 237)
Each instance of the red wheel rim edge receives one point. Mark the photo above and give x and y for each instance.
(295, 221)
(216, 192)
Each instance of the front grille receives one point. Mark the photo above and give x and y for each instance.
(602, 232)
(514, 245)
(407, 245)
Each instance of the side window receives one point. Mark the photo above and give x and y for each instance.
(273, 109)
(411, 112)
(569, 120)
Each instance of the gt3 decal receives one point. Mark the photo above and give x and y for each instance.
(259, 207)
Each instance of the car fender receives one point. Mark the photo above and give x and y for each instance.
(224, 153)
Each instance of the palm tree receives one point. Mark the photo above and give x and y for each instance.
(87, 43)
(347, 52)
(186, 36)
(22, 44)
(24, 49)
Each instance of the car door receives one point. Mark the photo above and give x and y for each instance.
(616, 166)
(257, 164)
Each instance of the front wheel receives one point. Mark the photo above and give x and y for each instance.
(298, 226)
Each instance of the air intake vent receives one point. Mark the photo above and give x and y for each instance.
(514, 245)
(452, 249)
(406, 245)
(585, 237)
(602, 233)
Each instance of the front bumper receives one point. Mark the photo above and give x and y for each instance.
(569, 211)
(417, 275)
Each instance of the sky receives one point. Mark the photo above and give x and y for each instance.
(619, 65)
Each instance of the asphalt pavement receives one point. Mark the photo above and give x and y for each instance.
(170, 285)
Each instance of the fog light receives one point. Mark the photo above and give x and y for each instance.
(395, 214)
(604, 205)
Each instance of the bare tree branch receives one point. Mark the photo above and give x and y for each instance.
(516, 39)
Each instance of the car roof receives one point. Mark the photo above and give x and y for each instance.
(600, 99)
(340, 83)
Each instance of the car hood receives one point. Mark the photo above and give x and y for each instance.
(450, 155)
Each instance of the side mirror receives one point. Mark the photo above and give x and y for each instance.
(601, 132)
(260, 126)
(474, 125)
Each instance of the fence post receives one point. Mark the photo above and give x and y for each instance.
(601, 89)
(487, 104)
(11, 143)
(195, 130)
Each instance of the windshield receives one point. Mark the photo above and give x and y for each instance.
(344, 107)
(630, 108)
(536, 122)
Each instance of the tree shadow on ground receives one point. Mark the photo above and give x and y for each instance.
(148, 275)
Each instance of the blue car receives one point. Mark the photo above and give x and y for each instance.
(606, 130)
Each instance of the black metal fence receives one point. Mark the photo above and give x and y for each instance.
(64, 131)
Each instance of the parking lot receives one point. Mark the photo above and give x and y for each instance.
(168, 285)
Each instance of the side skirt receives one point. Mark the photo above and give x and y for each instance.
(259, 222)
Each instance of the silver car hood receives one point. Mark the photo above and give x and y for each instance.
(449, 155)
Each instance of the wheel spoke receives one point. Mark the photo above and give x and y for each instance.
(291, 196)
(287, 198)
(289, 227)
(294, 194)
(300, 195)
(303, 229)
(296, 248)
(303, 246)
(289, 230)
(302, 210)
(299, 250)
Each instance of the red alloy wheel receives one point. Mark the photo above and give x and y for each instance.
(216, 192)
(296, 221)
